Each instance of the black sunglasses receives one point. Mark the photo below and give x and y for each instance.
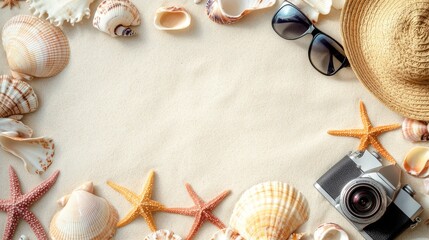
(325, 53)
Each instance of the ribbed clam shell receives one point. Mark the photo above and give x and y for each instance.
(271, 210)
(163, 235)
(416, 162)
(34, 47)
(414, 130)
(71, 11)
(227, 12)
(172, 18)
(116, 16)
(330, 231)
(37, 154)
(84, 217)
(16, 97)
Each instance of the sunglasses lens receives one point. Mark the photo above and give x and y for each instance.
(327, 55)
(290, 23)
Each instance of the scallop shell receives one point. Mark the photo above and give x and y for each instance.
(330, 231)
(172, 18)
(72, 11)
(271, 210)
(163, 235)
(34, 48)
(322, 6)
(116, 16)
(414, 130)
(16, 97)
(416, 162)
(226, 234)
(36, 153)
(84, 216)
(308, 10)
(227, 12)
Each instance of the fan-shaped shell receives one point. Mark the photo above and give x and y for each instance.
(416, 162)
(115, 17)
(414, 130)
(34, 47)
(71, 11)
(84, 216)
(172, 18)
(163, 235)
(16, 97)
(227, 12)
(330, 231)
(271, 210)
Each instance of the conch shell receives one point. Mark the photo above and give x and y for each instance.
(414, 130)
(16, 97)
(227, 12)
(416, 162)
(72, 11)
(163, 235)
(84, 216)
(115, 17)
(271, 210)
(172, 18)
(36, 153)
(330, 231)
(34, 47)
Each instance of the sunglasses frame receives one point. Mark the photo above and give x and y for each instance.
(314, 31)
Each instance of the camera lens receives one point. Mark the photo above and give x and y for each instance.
(363, 201)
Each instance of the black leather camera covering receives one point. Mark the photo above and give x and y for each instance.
(338, 176)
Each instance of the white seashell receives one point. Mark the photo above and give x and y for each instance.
(116, 16)
(197, 1)
(72, 11)
(172, 18)
(23, 237)
(322, 6)
(226, 234)
(338, 4)
(16, 97)
(227, 12)
(426, 185)
(14, 128)
(330, 231)
(271, 210)
(84, 216)
(34, 47)
(416, 162)
(308, 10)
(414, 130)
(163, 235)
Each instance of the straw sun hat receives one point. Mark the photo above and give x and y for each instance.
(387, 43)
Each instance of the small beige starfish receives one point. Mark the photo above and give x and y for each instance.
(10, 3)
(368, 135)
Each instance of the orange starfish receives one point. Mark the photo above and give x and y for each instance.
(10, 3)
(202, 211)
(368, 135)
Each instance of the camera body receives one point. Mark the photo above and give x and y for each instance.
(369, 195)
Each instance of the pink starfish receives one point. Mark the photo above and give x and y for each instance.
(17, 206)
(202, 211)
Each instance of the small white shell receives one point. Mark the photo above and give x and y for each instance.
(338, 4)
(322, 6)
(308, 10)
(330, 231)
(172, 18)
(226, 234)
(414, 130)
(23, 237)
(16, 97)
(163, 235)
(416, 162)
(34, 47)
(84, 216)
(426, 185)
(71, 11)
(36, 153)
(227, 12)
(115, 17)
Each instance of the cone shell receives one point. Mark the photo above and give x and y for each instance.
(34, 47)
(85, 216)
(227, 12)
(330, 231)
(72, 11)
(416, 162)
(414, 130)
(115, 17)
(163, 235)
(16, 97)
(172, 18)
(271, 210)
